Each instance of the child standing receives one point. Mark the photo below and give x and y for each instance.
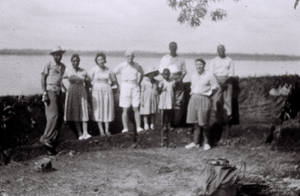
(149, 98)
(166, 100)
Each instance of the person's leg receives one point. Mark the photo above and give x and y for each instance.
(152, 120)
(125, 120)
(217, 105)
(228, 100)
(135, 102)
(164, 130)
(107, 129)
(52, 115)
(196, 141)
(197, 132)
(145, 119)
(168, 116)
(85, 130)
(205, 137)
(78, 129)
(137, 118)
(102, 133)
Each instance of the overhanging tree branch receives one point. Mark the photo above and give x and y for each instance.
(193, 11)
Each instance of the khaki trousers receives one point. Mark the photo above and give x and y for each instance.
(54, 117)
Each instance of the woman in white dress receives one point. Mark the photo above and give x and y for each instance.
(102, 96)
(76, 104)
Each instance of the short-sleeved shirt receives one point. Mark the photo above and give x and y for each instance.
(129, 72)
(174, 64)
(98, 75)
(203, 84)
(81, 75)
(222, 68)
(54, 73)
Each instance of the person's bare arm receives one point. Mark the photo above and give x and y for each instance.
(45, 97)
(141, 71)
(43, 82)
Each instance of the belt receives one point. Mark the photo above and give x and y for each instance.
(130, 81)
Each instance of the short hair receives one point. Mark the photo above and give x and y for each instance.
(201, 60)
(102, 55)
(171, 43)
(166, 69)
(75, 55)
(221, 45)
(129, 52)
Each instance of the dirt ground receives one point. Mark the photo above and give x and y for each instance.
(142, 171)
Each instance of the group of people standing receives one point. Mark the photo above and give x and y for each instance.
(138, 89)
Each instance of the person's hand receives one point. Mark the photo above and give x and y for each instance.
(45, 98)
(75, 79)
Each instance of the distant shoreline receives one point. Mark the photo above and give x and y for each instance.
(235, 56)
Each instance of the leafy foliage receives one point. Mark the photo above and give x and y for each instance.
(193, 11)
(18, 121)
(296, 3)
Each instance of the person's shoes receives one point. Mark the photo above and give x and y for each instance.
(192, 145)
(81, 137)
(152, 126)
(146, 127)
(206, 147)
(124, 130)
(87, 136)
(47, 144)
(139, 129)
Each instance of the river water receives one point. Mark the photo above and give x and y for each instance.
(21, 74)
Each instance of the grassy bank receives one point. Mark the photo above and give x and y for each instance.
(23, 119)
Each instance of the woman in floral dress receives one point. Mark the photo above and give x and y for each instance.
(102, 96)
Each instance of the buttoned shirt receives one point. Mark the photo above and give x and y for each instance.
(174, 64)
(54, 73)
(203, 83)
(128, 72)
(222, 68)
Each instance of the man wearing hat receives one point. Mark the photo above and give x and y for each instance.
(51, 79)
(177, 68)
(131, 76)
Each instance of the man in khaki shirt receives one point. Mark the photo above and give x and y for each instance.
(51, 79)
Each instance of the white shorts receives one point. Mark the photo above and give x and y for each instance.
(129, 95)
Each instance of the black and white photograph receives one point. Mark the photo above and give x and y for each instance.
(150, 97)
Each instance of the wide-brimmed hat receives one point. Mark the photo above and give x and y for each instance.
(151, 70)
(57, 50)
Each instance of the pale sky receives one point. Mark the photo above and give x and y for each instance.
(252, 26)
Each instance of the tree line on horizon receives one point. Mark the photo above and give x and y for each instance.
(235, 56)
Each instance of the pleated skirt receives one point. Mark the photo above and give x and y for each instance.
(103, 103)
(76, 104)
